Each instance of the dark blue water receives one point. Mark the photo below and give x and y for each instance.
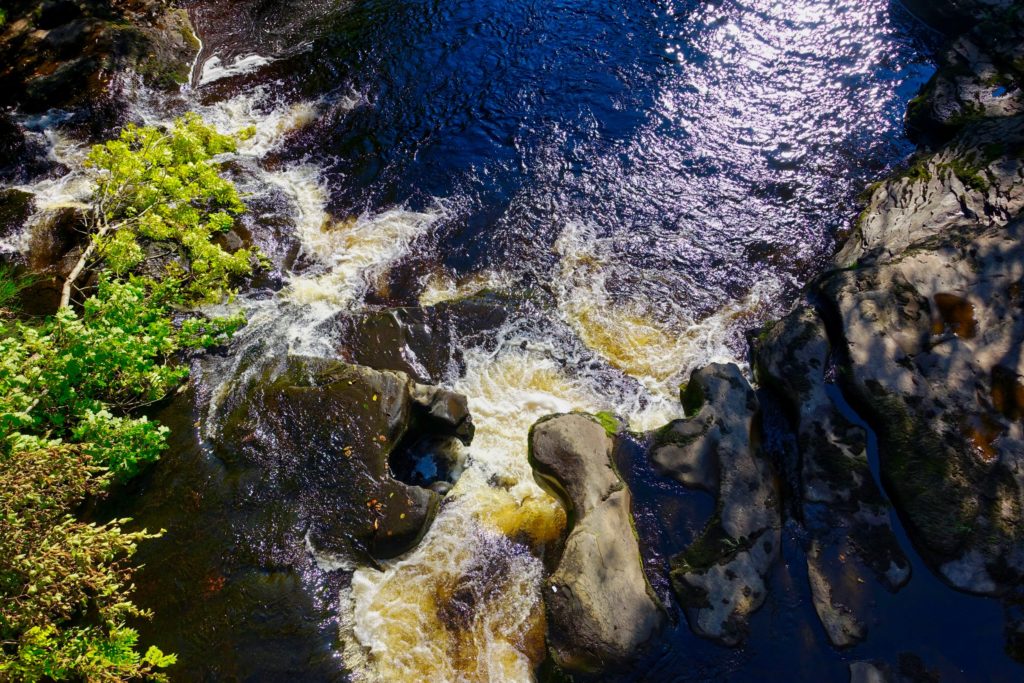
(712, 143)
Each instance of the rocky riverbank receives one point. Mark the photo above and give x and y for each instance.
(321, 465)
(919, 326)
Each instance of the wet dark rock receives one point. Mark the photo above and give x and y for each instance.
(841, 506)
(601, 608)
(420, 341)
(21, 158)
(979, 76)
(446, 411)
(15, 208)
(720, 578)
(318, 434)
(71, 56)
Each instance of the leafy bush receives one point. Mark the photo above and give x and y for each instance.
(71, 386)
(64, 582)
(164, 186)
(67, 376)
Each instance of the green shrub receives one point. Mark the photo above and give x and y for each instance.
(164, 186)
(65, 583)
(71, 386)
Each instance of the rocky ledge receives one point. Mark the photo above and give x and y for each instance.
(71, 60)
(917, 332)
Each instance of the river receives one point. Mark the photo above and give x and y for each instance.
(647, 181)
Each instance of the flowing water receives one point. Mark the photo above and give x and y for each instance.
(641, 183)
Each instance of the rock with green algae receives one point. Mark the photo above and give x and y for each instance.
(720, 579)
(317, 435)
(601, 608)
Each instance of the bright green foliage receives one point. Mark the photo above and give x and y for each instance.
(55, 570)
(164, 187)
(67, 376)
(70, 388)
(608, 421)
(10, 288)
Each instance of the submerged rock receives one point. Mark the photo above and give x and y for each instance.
(319, 433)
(421, 341)
(720, 578)
(601, 608)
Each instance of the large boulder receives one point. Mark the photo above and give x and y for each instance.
(720, 578)
(321, 434)
(69, 55)
(840, 504)
(935, 341)
(601, 608)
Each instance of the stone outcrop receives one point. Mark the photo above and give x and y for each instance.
(601, 608)
(317, 435)
(68, 55)
(935, 339)
(979, 75)
(925, 325)
(720, 578)
(839, 502)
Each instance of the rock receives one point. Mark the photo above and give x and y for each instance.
(979, 76)
(420, 341)
(15, 208)
(842, 625)
(601, 608)
(910, 669)
(21, 158)
(318, 434)
(720, 578)
(973, 183)
(71, 56)
(934, 338)
(869, 672)
(841, 506)
(446, 410)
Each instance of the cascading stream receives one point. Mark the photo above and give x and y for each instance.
(586, 157)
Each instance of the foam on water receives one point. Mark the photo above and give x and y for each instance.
(215, 69)
(69, 190)
(465, 604)
(356, 251)
(656, 342)
(441, 287)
